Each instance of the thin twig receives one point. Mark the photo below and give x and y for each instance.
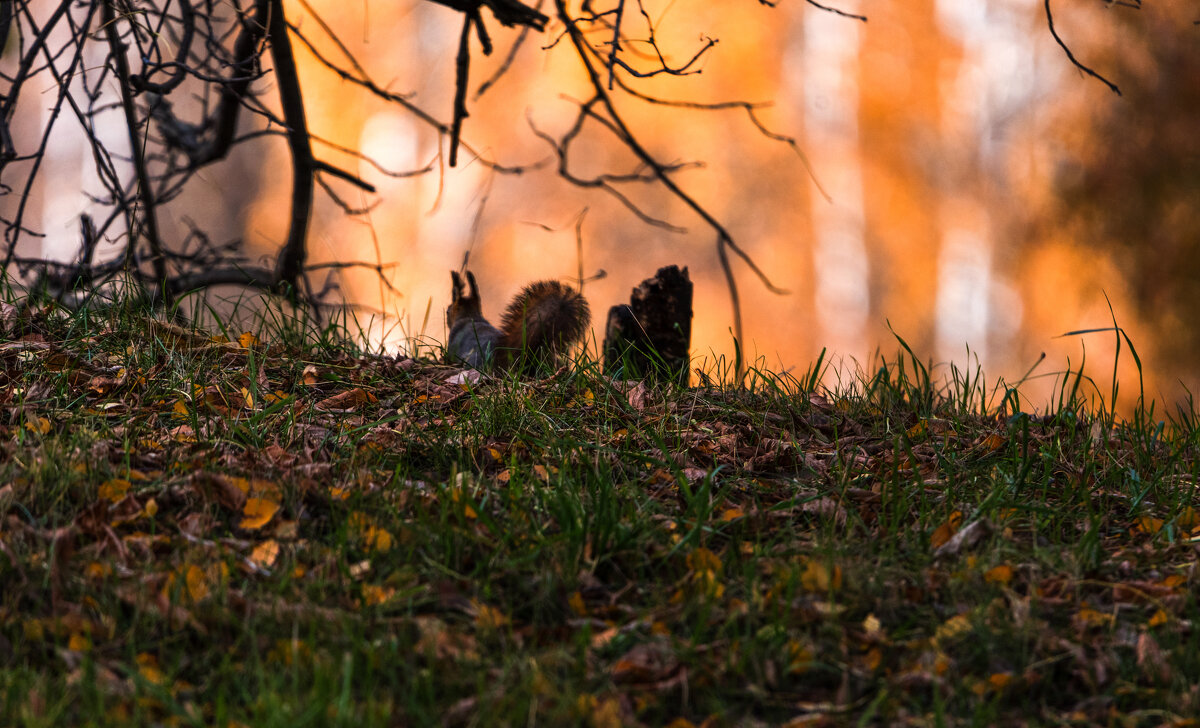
(1071, 56)
(138, 151)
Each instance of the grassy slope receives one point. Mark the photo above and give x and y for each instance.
(196, 533)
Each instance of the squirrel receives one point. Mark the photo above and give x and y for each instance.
(543, 321)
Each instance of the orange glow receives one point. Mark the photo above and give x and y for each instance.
(926, 125)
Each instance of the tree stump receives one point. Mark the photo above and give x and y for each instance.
(651, 336)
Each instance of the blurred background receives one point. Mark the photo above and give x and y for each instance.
(962, 182)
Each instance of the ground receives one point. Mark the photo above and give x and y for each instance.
(217, 531)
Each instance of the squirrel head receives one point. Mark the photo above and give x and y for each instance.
(464, 299)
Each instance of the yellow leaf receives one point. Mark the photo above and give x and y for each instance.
(180, 408)
(114, 490)
(872, 626)
(575, 601)
(38, 425)
(800, 657)
(79, 642)
(97, 570)
(1000, 680)
(377, 539)
(942, 664)
(918, 429)
(607, 714)
(248, 340)
(150, 509)
(197, 582)
(488, 617)
(703, 560)
(945, 531)
(257, 513)
(952, 628)
(1001, 574)
(376, 595)
(1149, 524)
(818, 577)
(265, 554)
(873, 659)
(148, 669)
(248, 397)
(1089, 617)
(1160, 618)
(1173, 580)
(1187, 518)
(993, 442)
(732, 514)
(709, 584)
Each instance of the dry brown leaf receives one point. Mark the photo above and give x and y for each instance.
(1151, 660)
(965, 539)
(944, 532)
(347, 401)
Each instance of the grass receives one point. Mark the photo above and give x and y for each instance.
(215, 533)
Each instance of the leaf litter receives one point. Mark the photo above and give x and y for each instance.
(183, 520)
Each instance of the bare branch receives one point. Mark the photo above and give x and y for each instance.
(290, 264)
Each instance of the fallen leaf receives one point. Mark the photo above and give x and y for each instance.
(1148, 524)
(257, 513)
(265, 554)
(488, 617)
(113, 490)
(952, 628)
(1001, 574)
(703, 560)
(149, 670)
(375, 595)
(965, 539)
(944, 532)
(346, 401)
(819, 577)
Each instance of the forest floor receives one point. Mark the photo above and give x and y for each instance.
(214, 531)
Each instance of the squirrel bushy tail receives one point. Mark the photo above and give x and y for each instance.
(545, 320)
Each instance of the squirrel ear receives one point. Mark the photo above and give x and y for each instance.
(456, 285)
(474, 288)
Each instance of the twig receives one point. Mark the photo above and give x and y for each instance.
(183, 48)
(828, 9)
(1071, 56)
(508, 60)
(137, 150)
(245, 53)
